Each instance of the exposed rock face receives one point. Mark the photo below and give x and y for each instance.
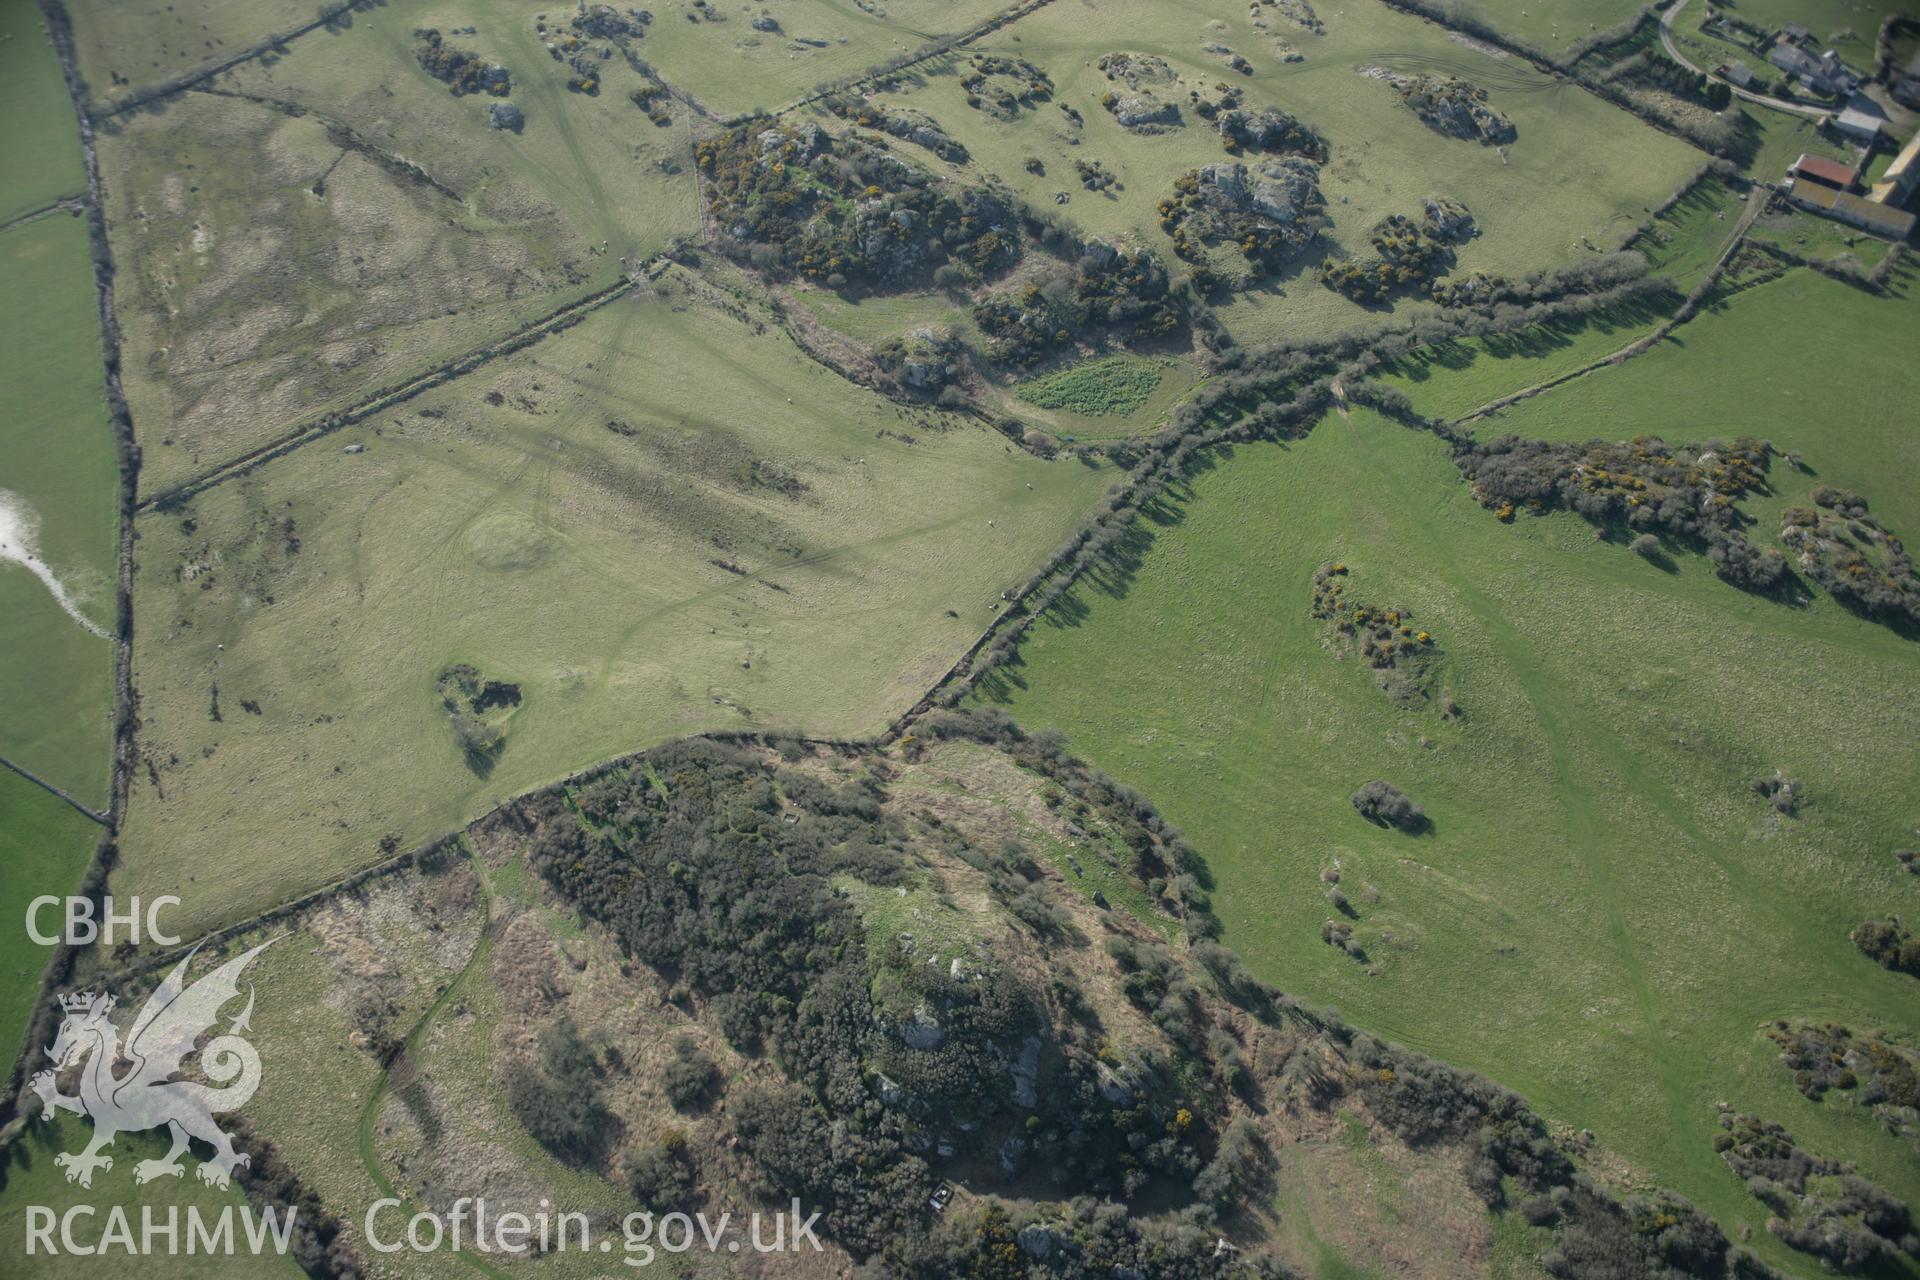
(1454, 107)
(923, 1031)
(924, 131)
(1143, 111)
(1137, 69)
(504, 115)
(764, 23)
(1284, 191)
(1447, 220)
(1270, 129)
(808, 141)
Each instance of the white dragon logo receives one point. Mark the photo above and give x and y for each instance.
(145, 1096)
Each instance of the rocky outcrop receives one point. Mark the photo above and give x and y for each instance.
(1284, 191)
(1454, 107)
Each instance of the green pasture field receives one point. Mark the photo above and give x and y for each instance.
(672, 522)
(253, 303)
(1782, 138)
(1753, 365)
(56, 686)
(1819, 239)
(28, 1176)
(44, 845)
(1602, 914)
(1686, 240)
(1580, 176)
(40, 151)
(125, 47)
(872, 318)
(1452, 379)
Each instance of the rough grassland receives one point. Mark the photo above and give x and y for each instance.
(57, 454)
(40, 149)
(1602, 912)
(672, 521)
(1581, 172)
(594, 163)
(731, 69)
(44, 845)
(123, 47)
(279, 260)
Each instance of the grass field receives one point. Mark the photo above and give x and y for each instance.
(1451, 379)
(1819, 239)
(671, 521)
(40, 152)
(1580, 176)
(45, 845)
(1550, 26)
(1598, 916)
(732, 69)
(57, 462)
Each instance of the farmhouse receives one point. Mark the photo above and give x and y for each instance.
(1736, 74)
(1828, 173)
(1824, 74)
(1843, 206)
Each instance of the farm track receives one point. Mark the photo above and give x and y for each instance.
(941, 47)
(370, 1109)
(1747, 95)
(1757, 201)
(46, 786)
(66, 204)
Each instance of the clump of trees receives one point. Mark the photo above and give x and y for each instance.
(1385, 805)
(1001, 86)
(1270, 212)
(1823, 1207)
(1825, 1056)
(1857, 559)
(467, 699)
(1889, 945)
(1103, 287)
(462, 70)
(559, 1096)
(1402, 655)
(690, 1078)
(1406, 258)
(847, 213)
(660, 1174)
(1687, 492)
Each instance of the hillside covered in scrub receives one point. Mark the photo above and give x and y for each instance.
(967, 961)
